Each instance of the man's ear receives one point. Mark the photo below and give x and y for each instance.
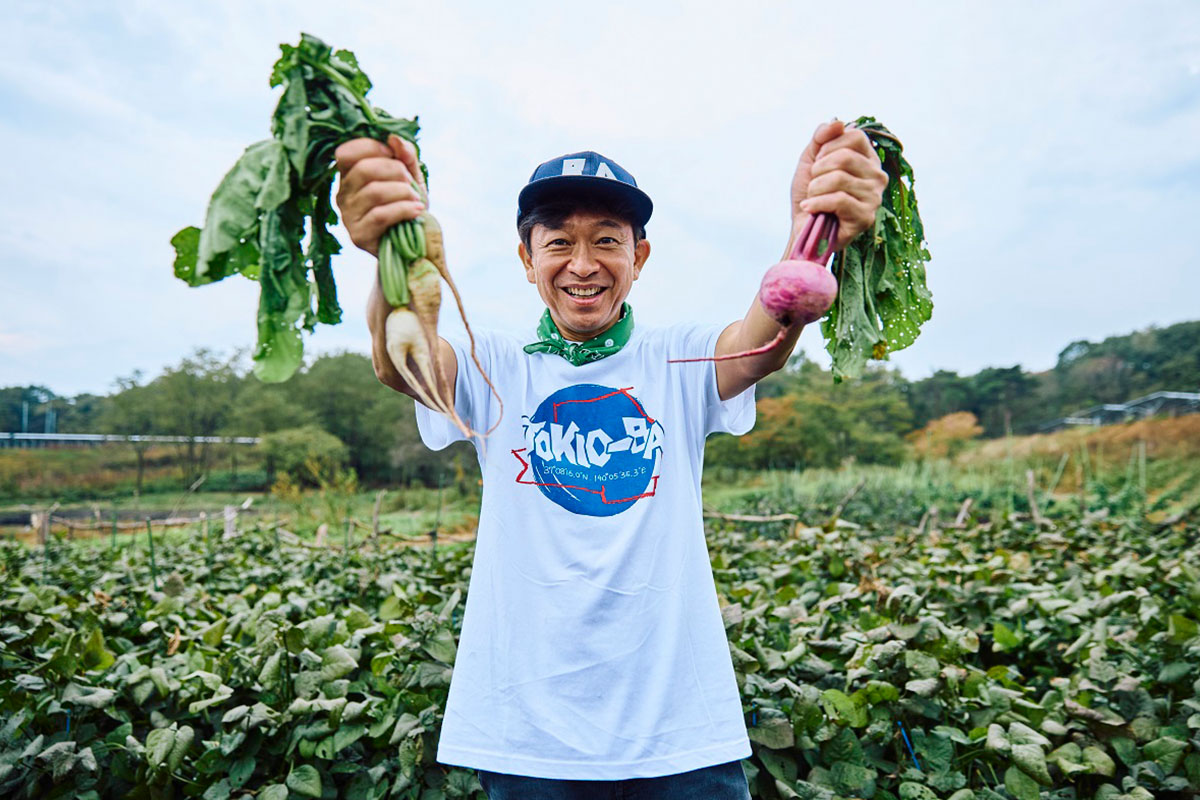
(523, 254)
(641, 252)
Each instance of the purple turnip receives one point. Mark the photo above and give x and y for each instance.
(799, 289)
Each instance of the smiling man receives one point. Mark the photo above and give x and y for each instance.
(593, 661)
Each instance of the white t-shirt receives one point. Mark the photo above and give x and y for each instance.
(592, 643)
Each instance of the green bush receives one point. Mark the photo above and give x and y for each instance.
(308, 455)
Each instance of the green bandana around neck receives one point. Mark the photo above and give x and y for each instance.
(580, 353)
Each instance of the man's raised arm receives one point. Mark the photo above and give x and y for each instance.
(838, 173)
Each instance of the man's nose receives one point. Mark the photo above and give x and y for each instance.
(583, 264)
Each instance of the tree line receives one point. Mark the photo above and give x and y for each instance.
(335, 410)
(805, 420)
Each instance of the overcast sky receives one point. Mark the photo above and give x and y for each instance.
(1054, 145)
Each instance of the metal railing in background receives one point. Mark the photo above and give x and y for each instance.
(1172, 403)
(80, 439)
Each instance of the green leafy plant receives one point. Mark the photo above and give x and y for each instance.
(1001, 657)
(257, 217)
(882, 298)
(263, 667)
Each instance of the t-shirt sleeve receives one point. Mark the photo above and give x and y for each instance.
(735, 415)
(470, 401)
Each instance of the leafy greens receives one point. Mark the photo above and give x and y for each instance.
(258, 215)
(882, 297)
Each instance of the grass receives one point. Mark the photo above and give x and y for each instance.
(1151, 465)
(109, 471)
(405, 514)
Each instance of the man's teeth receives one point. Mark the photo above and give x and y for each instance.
(584, 292)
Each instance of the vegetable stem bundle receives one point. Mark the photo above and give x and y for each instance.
(256, 221)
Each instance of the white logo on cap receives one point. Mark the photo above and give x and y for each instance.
(573, 166)
(603, 171)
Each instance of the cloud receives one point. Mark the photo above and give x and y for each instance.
(1052, 159)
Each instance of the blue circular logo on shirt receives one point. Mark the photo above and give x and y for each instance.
(593, 449)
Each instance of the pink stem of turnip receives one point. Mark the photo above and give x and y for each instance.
(798, 245)
(833, 232)
(825, 229)
(810, 244)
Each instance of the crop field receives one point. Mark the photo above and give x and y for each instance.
(890, 640)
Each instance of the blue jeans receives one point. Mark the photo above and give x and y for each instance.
(719, 782)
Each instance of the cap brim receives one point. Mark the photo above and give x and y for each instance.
(583, 185)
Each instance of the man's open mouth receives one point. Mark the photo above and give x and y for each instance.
(590, 291)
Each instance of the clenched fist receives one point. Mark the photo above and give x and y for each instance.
(839, 172)
(376, 188)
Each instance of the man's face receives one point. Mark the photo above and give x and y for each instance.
(584, 270)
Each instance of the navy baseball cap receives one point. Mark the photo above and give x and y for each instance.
(587, 172)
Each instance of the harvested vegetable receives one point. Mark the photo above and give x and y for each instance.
(797, 289)
(427, 310)
(279, 187)
(406, 340)
(256, 222)
(800, 288)
(882, 298)
(876, 297)
(256, 218)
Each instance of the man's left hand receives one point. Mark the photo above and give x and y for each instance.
(839, 172)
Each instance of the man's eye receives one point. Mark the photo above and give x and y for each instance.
(607, 240)
(556, 243)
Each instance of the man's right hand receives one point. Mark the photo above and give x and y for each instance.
(375, 191)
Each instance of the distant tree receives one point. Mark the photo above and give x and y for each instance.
(132, 411)
(1098, 379)
(81, 413)
(1120, 368)
(1003, 398)
(341, 390)
(15, 401)
(794, 374)
(816, 423)
(1178, 363)
(376, 423)
(940, 394)
(1072, 353)
(195, 398)
(308, 455)
(264, 408)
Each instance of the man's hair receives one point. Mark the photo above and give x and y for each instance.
(553, 210)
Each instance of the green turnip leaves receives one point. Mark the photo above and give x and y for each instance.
(280, 189)
(882, 297)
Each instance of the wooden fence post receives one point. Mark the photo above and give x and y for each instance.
(230, 522)
(153, 566)
(375, 518)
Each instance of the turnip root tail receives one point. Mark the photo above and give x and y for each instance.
(766, 348)
(435, 249)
